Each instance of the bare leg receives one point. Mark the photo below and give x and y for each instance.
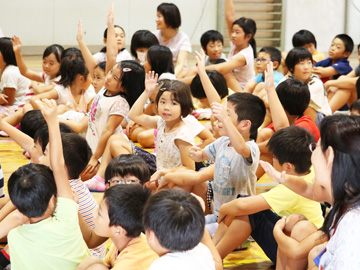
(147, 138)
(232, 82)
(222, 229)
(339, 99)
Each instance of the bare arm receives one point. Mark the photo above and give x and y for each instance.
(6, 210)
(11, 221)
(324, 72)
(111, 46)
(77, 126)
(343, 83)
(52, 94)
(180, 62)
(19, 137)
(229, 14)
(88, 57)
(206, 136)
(10, 93)
(207, 241)
(91, 239)
(226, 67)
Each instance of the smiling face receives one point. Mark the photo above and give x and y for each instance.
(302, 70)
(160, 21)
(214, 50)
(168, 108)
(50, 65)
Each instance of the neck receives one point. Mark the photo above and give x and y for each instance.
(292, 119)
(38, 219)
(241, 47)
(121, 242)
(75, 89)
(168, 33)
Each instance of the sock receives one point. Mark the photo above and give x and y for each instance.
(4, 259)
(96, 183)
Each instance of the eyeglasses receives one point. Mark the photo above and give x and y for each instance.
(261, 60)
(117, 180)
(312, 147)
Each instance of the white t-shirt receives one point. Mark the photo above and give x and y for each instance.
(47, 80)
(194, 125)
(12, 78)
(245, 73)
(122, 55)
(179, 42)
(198, 258)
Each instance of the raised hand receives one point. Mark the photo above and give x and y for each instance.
(269, 76)
(272, 173)
(200, 60)
(151, 82)
(80, 32)
(110, 16)
(48, 109)
(16, 42)
(220, 110)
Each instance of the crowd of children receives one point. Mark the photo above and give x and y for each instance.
(86, 119)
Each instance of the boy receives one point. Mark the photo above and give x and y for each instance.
(49, 205)
(174, 226)
(120, 219)
(212, 43)
(290, 147)
(337, 63)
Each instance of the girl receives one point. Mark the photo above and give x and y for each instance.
(159, 59)
(242, 50)
(174, 137)
(51, 66)
(168, 21)
(98, 78)
(13, 85)
(336, 161)
(299, 62)
(141, 41)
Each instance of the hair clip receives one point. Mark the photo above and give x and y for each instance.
(163, 89)
(126, 69)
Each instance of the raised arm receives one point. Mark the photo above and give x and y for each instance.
(180, 62)
(49, 111)
(111, 46)
(229, 14)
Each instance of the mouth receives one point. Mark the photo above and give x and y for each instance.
(166, 114)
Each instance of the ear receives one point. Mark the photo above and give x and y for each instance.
(329, 156)
(245, 124)
(275, 65)
(204, 49)
(288, 167)
(346, 54)
(105, 40)
(248, 37)
(118, 231)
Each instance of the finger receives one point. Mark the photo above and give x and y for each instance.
(225, 103)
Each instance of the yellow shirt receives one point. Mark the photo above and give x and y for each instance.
(285, 202)
(137, 255)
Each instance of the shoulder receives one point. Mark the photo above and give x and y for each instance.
(323, 63)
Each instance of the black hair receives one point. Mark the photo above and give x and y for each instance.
(7, 52)
(31, 122)
(70, 69)
(142, 39)
(132, 80)
(292, 144)
(294, 96)
(275, 54)
(101, 65)
(160, 59)
(71, 53)
(217, 80)
(248, 25)
(355, 106)
(31, 188)
(249, 107)
(181, 94)
(171, 15)
(348, 42)
(211, 35)
(125, 205)
(56, 49)
(123, 165)
(357, 85)
(176, 218)
(295, 56)
(342, 134)
(103, 49)
(303, 37)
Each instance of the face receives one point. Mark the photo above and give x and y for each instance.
(120, 38)
(302, 70)
(141, 54)
(98, 80)
(160, 21)
(127, 179)
(262, 61)
(337, 49)
(277, 165)
(214, 50)
(168, 108)
(238, 37)
(36, 153)
(112, 79)
(102, 220)
(50, 65)
(310, 47)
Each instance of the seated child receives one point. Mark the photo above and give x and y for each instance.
(212, 43)
(120, 219)
(306, 39)
(337, 63)
(46, 199)
(244, 216)
(141, 41)
(174, 226)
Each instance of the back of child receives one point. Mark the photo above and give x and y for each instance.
(306, 39)
(174, 224)
(212, 43)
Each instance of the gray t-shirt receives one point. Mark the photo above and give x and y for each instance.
(233, 173)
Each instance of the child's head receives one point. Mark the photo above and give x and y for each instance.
(31, 122)
(245, 106)
(32, 190)
(217, 80)
(341, 47)
(265, 55)
(243, 32)
(7, 54)
(141, 41)
(212, 43)
(292, 146)
(159, 59)
(98, 79)
(168, 16)
(121, 211)
(52, 60)
(119, 35)
(173, 220)
(299, 61)
(130, 168)
(294, 96)
(174, 100)
(71, 53)
(305, 39)
(74, 72)
(355, 108)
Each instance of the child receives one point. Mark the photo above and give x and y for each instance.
(13, 85)
(38, 244)
(355, 108)
(120, 219)
(141, 41)
(337, 63)
(51, 66)
(212, 43)
(174, 226)
(306, 39)
(127, 169)
(158, 59)
(290, 148)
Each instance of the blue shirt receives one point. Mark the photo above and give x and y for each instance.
(342, 66)
(277, 78)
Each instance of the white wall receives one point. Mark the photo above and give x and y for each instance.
(352, 23)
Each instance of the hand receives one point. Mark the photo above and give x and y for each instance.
(3, 99)
(280, 224)
(195, 153)
(269, 77)
(220, 111)
(48, 109)
(16, 43)
(130, 127)
(200, 60)
(110, 16)
(79, 36)
(157, 175)
(151, 82)
(272, 173)
(317, 71)
(93, 163)
(164, 183)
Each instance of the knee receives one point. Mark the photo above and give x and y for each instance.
(302, 229)
(118, 147)
(146, 138)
